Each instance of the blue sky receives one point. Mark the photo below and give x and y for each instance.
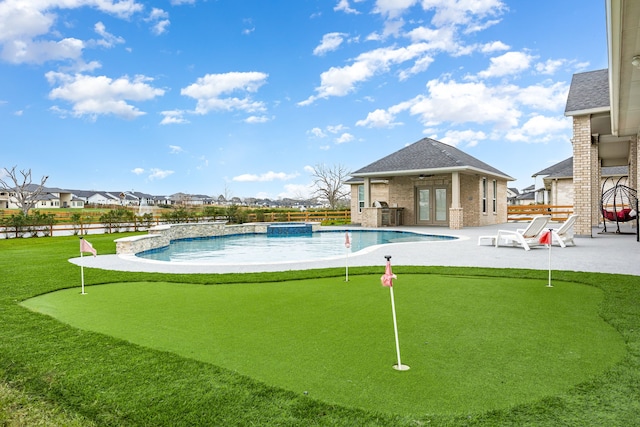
(243, 97)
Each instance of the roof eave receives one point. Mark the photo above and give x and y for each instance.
(614, 46)
(597, 110)
(433, 171)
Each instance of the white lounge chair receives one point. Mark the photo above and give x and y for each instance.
(525, 238)
(564, 234)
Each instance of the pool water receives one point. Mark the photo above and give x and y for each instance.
(260, 248)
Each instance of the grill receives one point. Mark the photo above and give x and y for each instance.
(389, 216)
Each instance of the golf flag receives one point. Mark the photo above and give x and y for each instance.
(387, 280)
(86, 247)
(388, 276)
(546, 238)
(347, 245)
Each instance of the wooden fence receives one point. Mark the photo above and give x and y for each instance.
(90, 223)
(526, 212)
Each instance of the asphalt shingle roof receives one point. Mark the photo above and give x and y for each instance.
(588, 91)
(564, 169)
(423, 156)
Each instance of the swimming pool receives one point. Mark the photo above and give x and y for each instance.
(260, 248)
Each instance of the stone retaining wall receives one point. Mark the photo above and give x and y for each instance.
(163, 235)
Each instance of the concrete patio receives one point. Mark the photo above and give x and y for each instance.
(605, 253)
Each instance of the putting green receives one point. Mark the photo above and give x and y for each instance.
(473, 343)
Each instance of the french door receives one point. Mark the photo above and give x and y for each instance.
(432, 206)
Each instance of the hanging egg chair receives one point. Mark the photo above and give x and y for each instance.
(618, 202)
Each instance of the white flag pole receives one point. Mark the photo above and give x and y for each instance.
(549, 285)
(347, 245)
(81, 269)
(82, 273)
(399, 366)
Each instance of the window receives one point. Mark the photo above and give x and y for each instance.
(484, 195)
(360, 197)
(495, 196)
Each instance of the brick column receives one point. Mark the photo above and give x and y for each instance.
(456, 218)
(583, 175)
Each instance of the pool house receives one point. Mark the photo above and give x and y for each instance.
(429, 183)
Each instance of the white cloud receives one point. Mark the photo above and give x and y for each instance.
(336, 128)
(462, 13)
(256, 119)
(265, 177)
(208, 91)
(344, 138)
(295, 191)
(343, 6)
(393, 8)
(541, 129)
(457, 103)
(28, 36)
(159, 20)
(138, 171)
(469, 138)
(97, 95)
(175, 149)
(493, 47)
(173, 117)
(550, 96)
(38, 52)
(330, 42)
(550, 66)
(317, 132)
(108, 40)
(379, 119)
(340, 81)
(507, 64)
(159, 174)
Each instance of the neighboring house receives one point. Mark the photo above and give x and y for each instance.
(606, 114)
(49, 198)
(429, 183)
(102, 198)
(558, 181)
(512, 195)
(527, 197)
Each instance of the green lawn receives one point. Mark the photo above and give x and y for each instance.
(486, 347)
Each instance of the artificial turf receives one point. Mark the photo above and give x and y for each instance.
(474, 343)
(76, 375)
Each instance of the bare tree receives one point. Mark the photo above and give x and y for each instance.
(329, 183)
(26, 193)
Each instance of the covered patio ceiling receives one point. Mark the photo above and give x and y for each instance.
(622, 125)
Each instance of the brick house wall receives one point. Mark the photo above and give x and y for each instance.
(401, 192)
(585, 176)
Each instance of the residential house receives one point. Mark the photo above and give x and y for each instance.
(606, 114)
(49, 198)
(558, 181)
(429, 183)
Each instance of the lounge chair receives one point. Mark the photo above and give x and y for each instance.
(525, 238)
(564, 234)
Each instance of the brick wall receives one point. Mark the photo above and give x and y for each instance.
(584, 157)
(401, 192)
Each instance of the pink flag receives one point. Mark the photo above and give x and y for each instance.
(388, 276)
(347, 241)
(545, 239)
(86, 247)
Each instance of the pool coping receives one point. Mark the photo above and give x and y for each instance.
(607, 253)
